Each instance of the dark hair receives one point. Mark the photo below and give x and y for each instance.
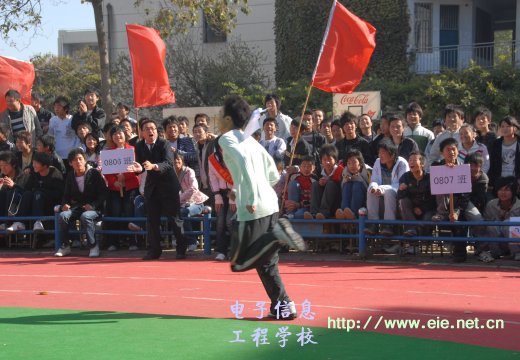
(451, 108)
(511, 121)
(336, 123)
(417, 153)
(329, 150)
(120, 105)
(14, 94)
(170, 120)
(25, 136)
(42, 158)
(394, 117)
(183, 118)
(509, 181)
(354, 153)
(75, 152)
(143, 121)
(36, 96)
(218, 152)
(202, 115)
(274, 97)
(325, 122)
(95, 137)
(270, 119)
(176, 156)
(437, 122)
(202, 126)
(388, 145)
(307, 112)
(117, 129)
(9, 157)
(85, 124)
(309, 158)
(297, 124)
(448, 142)
(278, 160)
(91, 90)
(347, 117)
(107, 127)
(237, 109)
(63, 101)
(48, 141)
(4, 129)
(474, 158)
(481, 111)
(414, 107)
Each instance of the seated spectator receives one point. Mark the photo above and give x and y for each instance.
(503, 208)
(106, 143)
(191, 198)
(5, 144)
(43, 190)
(388, 169)
(275, 146)
(468, 145)
(326, 192)
(356, 177)
(437, 128)
(221, 184)
(415, 130)
(279, 187)
(11, 185)
(503, 159)
(83, 200)
(92, 151)
(129, 131)
(416, 201)
(352, 140)
(25, 151)
(302, 148)
(337, 132)
(365, 128)
(299, 189)
(122, 189)
(46, 144)
(405, 145)
(482, 120)
(461, 201)
(82, 130)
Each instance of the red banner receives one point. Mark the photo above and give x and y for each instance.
(345, 53)
(17, 75)
(147, 54)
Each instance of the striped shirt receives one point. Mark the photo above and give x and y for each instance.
(17, 121)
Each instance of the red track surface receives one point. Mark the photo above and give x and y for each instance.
(203, 288)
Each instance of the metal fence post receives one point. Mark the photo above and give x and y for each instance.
(362, 240)
(206, 233)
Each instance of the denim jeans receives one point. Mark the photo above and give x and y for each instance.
(88, 224)
(353, 196)
(293, 194)
(188, 211)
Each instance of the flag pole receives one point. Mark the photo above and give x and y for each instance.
(294, 147)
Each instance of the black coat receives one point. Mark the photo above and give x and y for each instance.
(95, 118)
(94, 194)
(495, 161)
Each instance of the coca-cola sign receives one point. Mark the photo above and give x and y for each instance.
(366, 102)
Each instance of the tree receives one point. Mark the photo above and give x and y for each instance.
(66, 76)
(16, 15)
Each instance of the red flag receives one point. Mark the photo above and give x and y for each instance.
(345, 52)
(17, 75)
(147, 53)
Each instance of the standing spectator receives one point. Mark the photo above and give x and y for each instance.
(275, 146)
(405, 146)
(18, 117)
(129, 131)
(183, 146)
(384, 132)
(387, 171)
(356, 177)
(337, 132)
(204, 148)
(60, 127)
(83, 129)
(123, 188)
(44, 115)
(415, 130)
(295, 141)
(504, 159)
(90, 113)
(482, 120)
(161, 191)
(313, 138)
(365, 128)
(83, 200)
(352, 140)
(184, 127)
(416, 201)
(453, 120)
(47, 144)
(272, 104)
(318, 116)
(123, 111)
(326, 130)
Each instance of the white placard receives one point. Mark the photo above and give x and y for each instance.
(450, 180)
(116, 161)
(514, 231)
(358, 103)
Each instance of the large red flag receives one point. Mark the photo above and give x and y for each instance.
(147, 53)
(345, 52)
(17, 75)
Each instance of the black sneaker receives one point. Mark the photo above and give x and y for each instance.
(290, 316)
(286, 234)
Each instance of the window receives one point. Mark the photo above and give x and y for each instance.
(423, 27)
(212, 35)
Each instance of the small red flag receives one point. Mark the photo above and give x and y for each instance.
(147, 53)
(345, 52)
(17, 75)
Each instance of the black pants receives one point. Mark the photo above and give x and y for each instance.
(254, 246)
(158, 204)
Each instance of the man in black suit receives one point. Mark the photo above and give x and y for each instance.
(161, 191)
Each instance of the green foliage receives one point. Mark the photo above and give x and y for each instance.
(19, 15)
(300, 26)
(67, 76)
